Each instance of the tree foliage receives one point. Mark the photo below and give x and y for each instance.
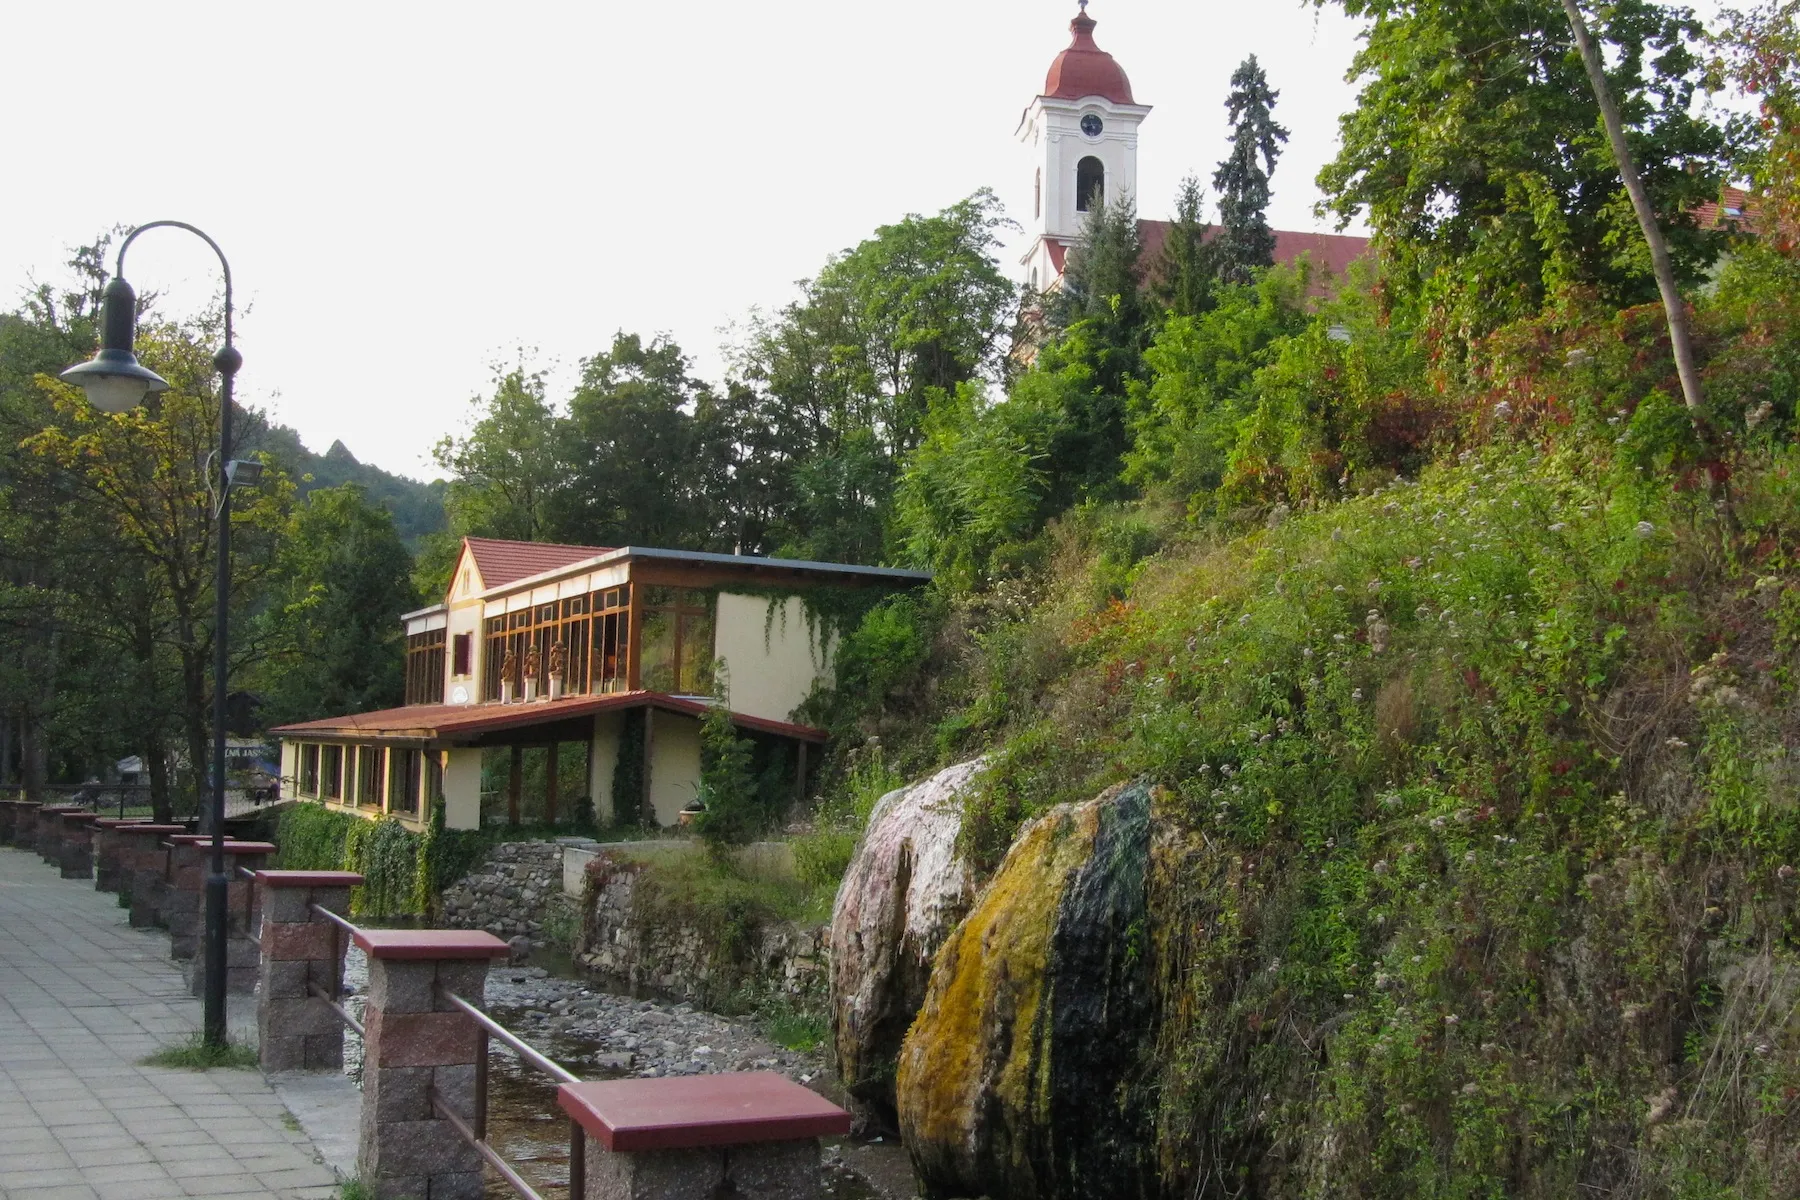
(1245, 242)
(1476, 152)
(342, 581)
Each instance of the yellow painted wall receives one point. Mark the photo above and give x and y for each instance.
(773, 658)
(462, 789)
(674, 765)
(603, 756)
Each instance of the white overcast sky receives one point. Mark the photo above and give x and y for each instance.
(409, 193)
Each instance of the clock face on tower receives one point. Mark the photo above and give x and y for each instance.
(1091, 125)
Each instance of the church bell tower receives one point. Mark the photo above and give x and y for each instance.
(1082, 134)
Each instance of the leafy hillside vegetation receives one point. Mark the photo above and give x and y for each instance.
(1461, 658)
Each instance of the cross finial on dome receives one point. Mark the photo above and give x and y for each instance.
(1083, 4)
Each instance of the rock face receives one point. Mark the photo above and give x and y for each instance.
(684, 958)
(1024, 1073)
(905, 890)
(508, 894)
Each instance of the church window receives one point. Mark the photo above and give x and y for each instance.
(1090, 184)
(1037, 203)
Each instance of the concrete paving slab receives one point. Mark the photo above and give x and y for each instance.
(83, 998)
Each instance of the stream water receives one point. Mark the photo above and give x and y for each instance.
(604, 1034)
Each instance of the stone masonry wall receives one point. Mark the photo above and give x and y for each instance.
(509, 894)
(683, 960)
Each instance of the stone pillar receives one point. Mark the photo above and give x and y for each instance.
(142, 861)
(50, 831)
(187, 909)
(77, 857)
(415, 1044)
(25, 818)
(750, 1134)
(301, 950)
(109, 846)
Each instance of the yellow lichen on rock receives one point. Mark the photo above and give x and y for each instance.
(974, 1072)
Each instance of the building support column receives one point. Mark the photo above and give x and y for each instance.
(462, 789)
(515, 784)
(550, 784)
(647, 809)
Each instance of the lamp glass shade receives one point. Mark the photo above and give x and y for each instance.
(115, 381)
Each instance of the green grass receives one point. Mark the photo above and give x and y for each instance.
(195, 1055)
(354, 1189)
(794, 1026)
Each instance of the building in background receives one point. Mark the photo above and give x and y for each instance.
(623, 651)
(1082, 134)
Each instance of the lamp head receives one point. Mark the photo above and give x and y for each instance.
(114, 379)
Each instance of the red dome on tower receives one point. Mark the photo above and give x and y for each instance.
(1084, 69)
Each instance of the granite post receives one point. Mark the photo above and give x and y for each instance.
(419, 1056)
(187, 910)
(301, 950)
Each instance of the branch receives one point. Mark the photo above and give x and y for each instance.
(1640, 202)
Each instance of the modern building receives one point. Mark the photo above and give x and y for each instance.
(1081, 133)
(620, 649)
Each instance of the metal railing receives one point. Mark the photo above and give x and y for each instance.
(334, 998)
(474, 1132)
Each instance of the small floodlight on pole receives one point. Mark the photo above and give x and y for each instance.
(116, 382)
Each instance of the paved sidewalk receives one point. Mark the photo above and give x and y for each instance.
(83, 997)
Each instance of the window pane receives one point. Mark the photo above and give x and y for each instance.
(657, 673)
(696, 654)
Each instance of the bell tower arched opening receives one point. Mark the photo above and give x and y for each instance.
(1090, 184)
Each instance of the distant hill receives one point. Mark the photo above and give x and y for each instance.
(417, 507)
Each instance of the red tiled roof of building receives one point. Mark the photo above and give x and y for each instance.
(455, 722)
(1733, 208)
(1084, 69)
(1330, 253)
(501, 563)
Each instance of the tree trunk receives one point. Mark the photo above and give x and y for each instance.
(1640, 202)
(34, 758)
(156, 762)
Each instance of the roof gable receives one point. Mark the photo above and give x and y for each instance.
(500, 562)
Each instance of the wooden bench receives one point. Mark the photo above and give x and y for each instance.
(752, 1134)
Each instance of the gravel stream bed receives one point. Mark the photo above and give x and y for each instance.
(602, 1035)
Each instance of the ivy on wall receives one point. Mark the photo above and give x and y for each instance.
(405, 873)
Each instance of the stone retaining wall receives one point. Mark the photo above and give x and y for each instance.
(510, 892)
(684, 960)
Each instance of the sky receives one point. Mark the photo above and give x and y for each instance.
(412, 195)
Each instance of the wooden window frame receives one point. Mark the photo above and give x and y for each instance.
(309, 769)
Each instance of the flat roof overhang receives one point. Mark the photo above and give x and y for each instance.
(500, 724)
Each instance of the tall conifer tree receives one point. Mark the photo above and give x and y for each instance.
(1184, 274)
(1245, 241)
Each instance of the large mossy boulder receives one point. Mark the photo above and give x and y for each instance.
(904, 892)
(1024, 1074)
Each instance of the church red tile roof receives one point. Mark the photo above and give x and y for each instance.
(1330, 253)
(1084, 69)
(501, 563)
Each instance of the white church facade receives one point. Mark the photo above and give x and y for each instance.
(1081, 133)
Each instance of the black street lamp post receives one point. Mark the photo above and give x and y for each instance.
(116, 382)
